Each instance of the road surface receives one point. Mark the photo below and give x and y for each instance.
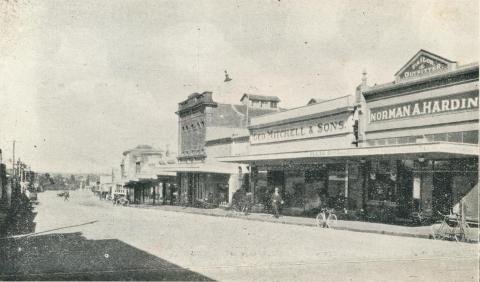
(85, 238)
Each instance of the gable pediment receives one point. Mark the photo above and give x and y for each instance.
(423, 64)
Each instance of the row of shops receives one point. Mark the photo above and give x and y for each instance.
(385, 152)
(388, 152)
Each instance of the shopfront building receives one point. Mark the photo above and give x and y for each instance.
(290, 150)
(396, 149)
(207, 129)
(432, 102)
(144, 178)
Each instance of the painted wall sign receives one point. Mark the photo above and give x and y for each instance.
(315, 128)
(431, 106)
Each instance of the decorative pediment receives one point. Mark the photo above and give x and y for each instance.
(423, 64)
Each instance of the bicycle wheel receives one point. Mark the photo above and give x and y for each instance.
(461, 235)
(438, 233)
(332, 221)
(319, 220)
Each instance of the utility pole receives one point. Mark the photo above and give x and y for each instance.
(13, 160)
(248, 106)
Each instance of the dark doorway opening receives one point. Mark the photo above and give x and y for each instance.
(442, 192)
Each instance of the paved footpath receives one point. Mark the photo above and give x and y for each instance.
(358, 226)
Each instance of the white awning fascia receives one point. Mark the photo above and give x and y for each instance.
(465, 150)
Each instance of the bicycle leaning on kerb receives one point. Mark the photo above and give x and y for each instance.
(326, 218)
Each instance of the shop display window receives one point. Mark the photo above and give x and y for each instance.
(470, 137)
(222, 194)
(315, 187)
(294, 188)
(392, 141)
(382, 180)
(454, 137)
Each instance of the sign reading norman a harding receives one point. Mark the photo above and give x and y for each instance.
(425, 107)
(315, 128)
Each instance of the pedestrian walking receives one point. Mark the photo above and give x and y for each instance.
(248, 202)
(277, 201)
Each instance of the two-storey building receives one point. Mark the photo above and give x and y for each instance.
(207, 129)
(143, 175)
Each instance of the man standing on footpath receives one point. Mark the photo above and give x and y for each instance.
(276, 202)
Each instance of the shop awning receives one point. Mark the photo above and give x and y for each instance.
(141, 182)
(217, 167)
(426, 150)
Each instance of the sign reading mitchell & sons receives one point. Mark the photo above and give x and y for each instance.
(315, 128)
(425, 107)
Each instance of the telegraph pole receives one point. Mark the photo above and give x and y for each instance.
(13, 160)
(248, 106)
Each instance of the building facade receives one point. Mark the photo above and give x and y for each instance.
(206, 129)
(144, 179)
(431, 110)
(283, 149)
(388, 151)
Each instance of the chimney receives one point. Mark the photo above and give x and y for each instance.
(364, 79)
(167, 150)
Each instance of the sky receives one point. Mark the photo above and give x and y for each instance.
(83, 81)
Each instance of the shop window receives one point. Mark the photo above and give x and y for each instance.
(442, 165)
(371, 143)
(412, 139)
(454, 137)
(316, 175)
(408, 164)
(402, 140)
(423, 164)
(381, 142)
(337, 178)
(294, 188)
(470, 137)
(429, 137)
(463, 165)
(382, 180)
(392, 141)
(440, 137)
(407, 140)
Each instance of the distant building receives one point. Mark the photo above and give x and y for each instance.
(143, 177)
(260, 101)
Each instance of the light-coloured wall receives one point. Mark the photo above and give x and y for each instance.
(332, 140)
(325, 143)
(423, 124)
(148, 164)
(218, 150)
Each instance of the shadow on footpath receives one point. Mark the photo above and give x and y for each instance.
(70, 256)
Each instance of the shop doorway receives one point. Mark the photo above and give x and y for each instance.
(442, 196)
